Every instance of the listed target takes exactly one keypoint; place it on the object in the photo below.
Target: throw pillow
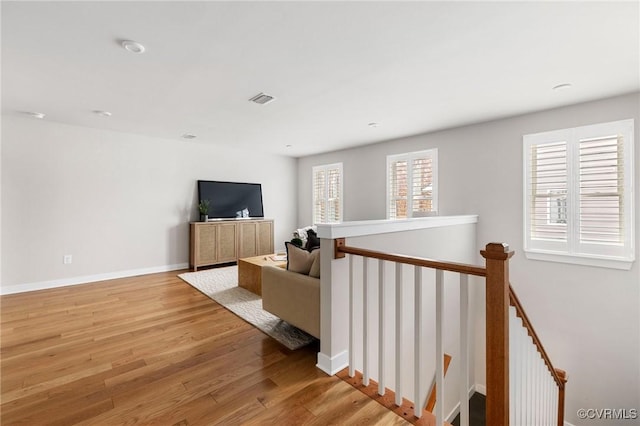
(298, 259)
(313, 242)
(315, 266)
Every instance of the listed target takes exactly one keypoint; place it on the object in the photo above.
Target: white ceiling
(333, 67)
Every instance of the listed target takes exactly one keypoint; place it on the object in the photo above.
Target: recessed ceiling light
(102, 113)
(133, 46)
(562, 86)
(38, 115)
(373, 124)
(288, 145)
(188, 136)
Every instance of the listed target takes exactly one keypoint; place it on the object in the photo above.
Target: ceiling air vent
(262, 98)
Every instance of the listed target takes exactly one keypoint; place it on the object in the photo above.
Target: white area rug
(221, 285)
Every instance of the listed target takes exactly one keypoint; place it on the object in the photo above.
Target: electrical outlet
(67, 259)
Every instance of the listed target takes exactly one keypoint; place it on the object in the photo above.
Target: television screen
(231, 199)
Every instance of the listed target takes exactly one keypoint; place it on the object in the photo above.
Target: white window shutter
(578, 195)
(548, 191)
(411, 184)
(398, 189)
(334, 198)
(601, 190)
(327, 193)
(319, 195)
(422, 186)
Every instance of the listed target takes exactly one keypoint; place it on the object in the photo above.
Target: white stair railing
(536, 388)
(533, 390)
(523, 387)
(363, 287)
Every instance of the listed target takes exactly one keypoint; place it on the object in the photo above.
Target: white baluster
(417, 348)
(398, 333)
(439, 348)
(381, 324)
(464, 350)
(538, 398)
(545, 400)
(528, 353)
(554, 403)
(352, 331)
(533, 353)
(523, 351)
(521, 369)
(365, 321)
(513, 376)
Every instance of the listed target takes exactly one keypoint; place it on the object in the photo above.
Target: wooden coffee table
(250, 271)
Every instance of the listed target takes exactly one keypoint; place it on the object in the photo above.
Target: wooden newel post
(562, 375)
(497, 316)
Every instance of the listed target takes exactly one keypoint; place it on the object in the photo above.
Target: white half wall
(587, 317)
(118, 203)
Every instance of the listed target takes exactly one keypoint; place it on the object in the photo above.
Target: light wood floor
(154, 350)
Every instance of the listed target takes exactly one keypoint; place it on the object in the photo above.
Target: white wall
(588, 318)
(119, 203)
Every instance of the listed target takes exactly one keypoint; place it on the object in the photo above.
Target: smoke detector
(262, 98)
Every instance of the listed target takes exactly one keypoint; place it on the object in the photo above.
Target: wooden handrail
(515, 302)
(341, 249)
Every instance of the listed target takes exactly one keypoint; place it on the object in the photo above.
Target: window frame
(575, 250)
(325, 168)
(409, 157)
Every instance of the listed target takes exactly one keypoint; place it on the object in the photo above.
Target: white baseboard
(456, 410)
(331, 365)
(63, 282)
(480, 389)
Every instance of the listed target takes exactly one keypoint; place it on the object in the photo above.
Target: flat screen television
(231, 199)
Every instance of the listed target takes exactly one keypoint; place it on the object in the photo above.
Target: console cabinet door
(205, 237)
(248, 240)
(265, 237)
(227, 242)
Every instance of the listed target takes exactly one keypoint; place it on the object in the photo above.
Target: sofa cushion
(298, 259)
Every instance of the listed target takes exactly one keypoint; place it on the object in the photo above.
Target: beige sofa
(292, 297)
